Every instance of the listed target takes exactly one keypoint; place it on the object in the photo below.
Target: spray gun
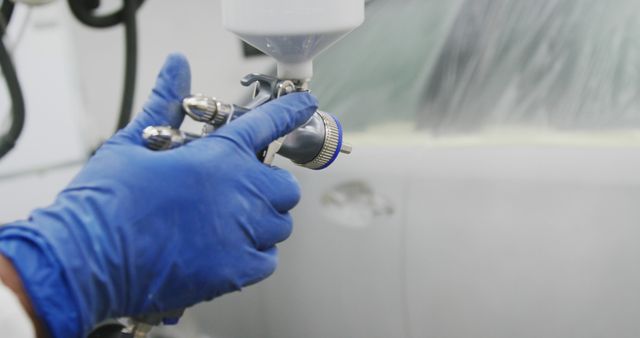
(314, 145)
(293, 32)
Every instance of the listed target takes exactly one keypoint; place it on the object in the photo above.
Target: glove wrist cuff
(43, 278)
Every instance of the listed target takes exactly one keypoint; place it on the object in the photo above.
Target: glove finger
(264, 265)
(164, 106)
(281, 188)
(261, 126)
(277, 230)
(265, 226)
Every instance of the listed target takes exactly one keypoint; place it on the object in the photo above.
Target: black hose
(131, 63)
(7, 11)
(8, 140)
(83, 11)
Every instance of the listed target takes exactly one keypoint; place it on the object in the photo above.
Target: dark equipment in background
(84, 11)
(8, 140)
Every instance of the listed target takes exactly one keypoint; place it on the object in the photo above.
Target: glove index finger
(281, 188)
(164, 106)
(265, 124)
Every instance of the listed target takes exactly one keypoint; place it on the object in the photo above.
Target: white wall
(191, 27)
(72, 80)
(52, 136)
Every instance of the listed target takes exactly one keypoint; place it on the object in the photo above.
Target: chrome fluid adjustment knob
(316, 144)
(200, 108)
(209, 110)
(165, 138)
(205, 109)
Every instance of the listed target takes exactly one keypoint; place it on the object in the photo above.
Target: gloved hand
(139, 231)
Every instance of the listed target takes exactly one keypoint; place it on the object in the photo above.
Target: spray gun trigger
(272, 150)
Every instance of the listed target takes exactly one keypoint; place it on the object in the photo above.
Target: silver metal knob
(164, 138)
(316, 144)
(204, 109)
(209, 110)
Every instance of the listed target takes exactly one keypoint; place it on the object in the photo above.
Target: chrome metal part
(315, 145)
(164, 138)
(208, 110)
(140, 327)
(285, 87)
(332, 140)
(265, 90)
(346, 148)
(200, 108)
(272, 150)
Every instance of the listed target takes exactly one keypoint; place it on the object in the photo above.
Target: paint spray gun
(293, 32)
(315, 145)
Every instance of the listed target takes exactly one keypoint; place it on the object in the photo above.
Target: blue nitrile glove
(139, 231)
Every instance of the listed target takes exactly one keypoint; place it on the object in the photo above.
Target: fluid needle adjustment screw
(206, 109)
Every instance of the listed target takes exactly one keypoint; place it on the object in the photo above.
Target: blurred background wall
(494, 187)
